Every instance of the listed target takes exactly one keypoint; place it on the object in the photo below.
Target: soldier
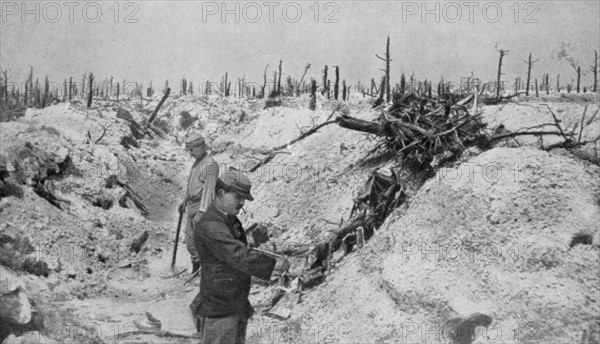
(200, 190)
(221, 308)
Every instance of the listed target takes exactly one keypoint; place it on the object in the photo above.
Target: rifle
(176, 242)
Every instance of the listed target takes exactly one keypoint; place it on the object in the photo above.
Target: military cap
(234, 180)
(194, 140)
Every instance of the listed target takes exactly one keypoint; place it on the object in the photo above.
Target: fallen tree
(424, 133)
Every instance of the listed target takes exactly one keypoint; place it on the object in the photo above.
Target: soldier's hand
(181, 207)
(260, 235)
(281, 265)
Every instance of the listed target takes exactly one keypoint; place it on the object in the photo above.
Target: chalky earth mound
(485, 246)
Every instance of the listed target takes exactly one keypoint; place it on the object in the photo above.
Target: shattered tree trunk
(90, 94)
(578, 77)
(529, 63)
(164, 98)
(502, 54)
(362, 125)
(324, 80)
(302, 80)
(382, 89)
(46, 90)
(336, 86)
(387, 71)
(279, 79)
(594, 69)
(313, 95)
(386, 90)
(262, 92)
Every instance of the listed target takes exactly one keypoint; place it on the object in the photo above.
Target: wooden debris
(158, 333)
(155, 113)
(138, 242)
(130, 199)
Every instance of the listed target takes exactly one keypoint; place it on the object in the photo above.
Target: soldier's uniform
(221, 308)
(200, 192)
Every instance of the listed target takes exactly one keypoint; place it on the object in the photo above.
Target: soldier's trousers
(189, 240)
(229, 330)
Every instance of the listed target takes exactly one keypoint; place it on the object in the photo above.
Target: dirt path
(151, 286)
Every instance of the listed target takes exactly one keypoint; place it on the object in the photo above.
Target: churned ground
(489, 234)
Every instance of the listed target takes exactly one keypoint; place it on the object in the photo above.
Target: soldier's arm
(222, 244)
(210, 174)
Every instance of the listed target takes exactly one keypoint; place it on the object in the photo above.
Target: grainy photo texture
(177, 172)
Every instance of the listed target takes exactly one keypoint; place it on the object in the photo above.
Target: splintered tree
(594, 70)
(336, 86)
(279, 79)
(530, 64)
(150, 90)
(262, 90)
(577, 68)
(313, 95)
(289, 86)
(38, 97)
(324, 80)
(563, 55)
(225, 88)
(65, 92)
(387, 61)
(110, 88)
(46, 90)
(273, 93)
(241, 87)
(160, 103)
(502, 54)
(302, 79)
(382, 90)
(402, 84)
(90, 90)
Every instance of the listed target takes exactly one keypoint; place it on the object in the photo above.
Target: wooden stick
(308, 133)
(163, 333)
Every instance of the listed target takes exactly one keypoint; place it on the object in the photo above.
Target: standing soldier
(200, 190)
(221, 308)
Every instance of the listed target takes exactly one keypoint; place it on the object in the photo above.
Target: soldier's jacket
(201, 185)
(227, 266)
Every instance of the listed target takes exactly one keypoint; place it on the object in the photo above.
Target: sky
(202, 40)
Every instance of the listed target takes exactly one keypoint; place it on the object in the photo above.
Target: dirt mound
(510, 213)
(491, 236)
(82, 243)
(537, 115)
